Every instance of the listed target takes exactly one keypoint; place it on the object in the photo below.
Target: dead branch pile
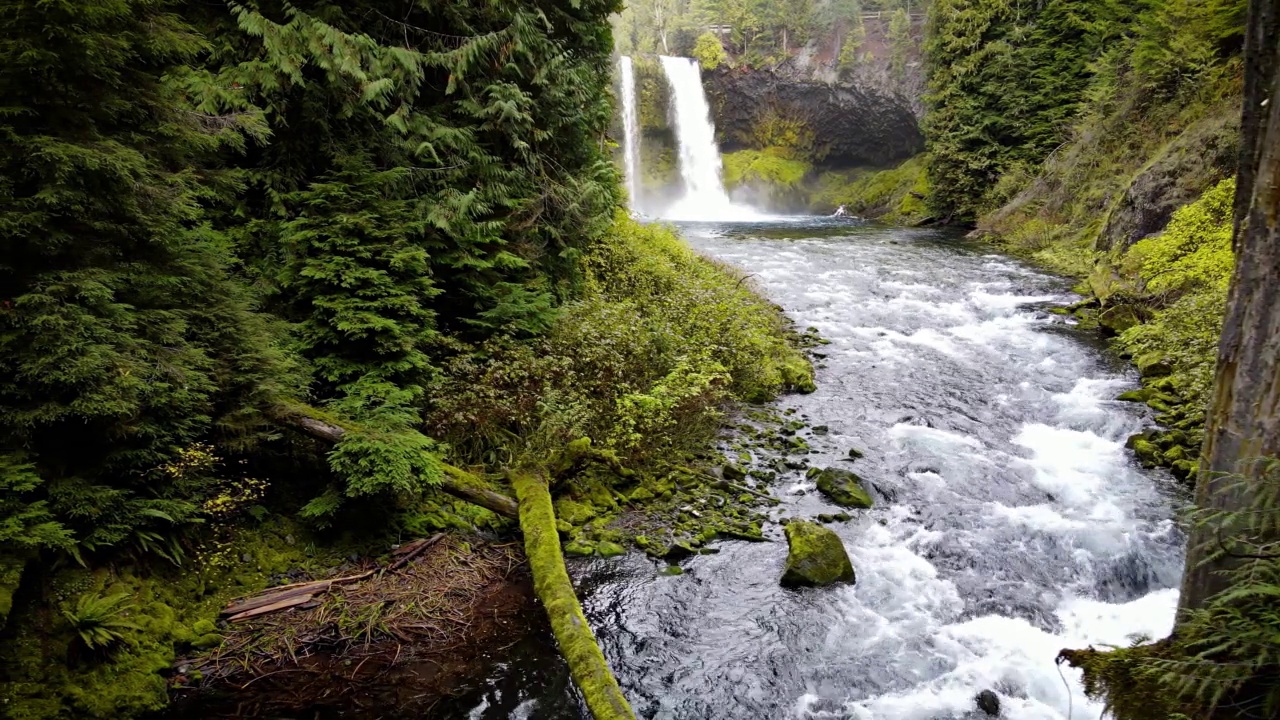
(425, 595)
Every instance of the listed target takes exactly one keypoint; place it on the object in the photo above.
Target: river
(1010, 523)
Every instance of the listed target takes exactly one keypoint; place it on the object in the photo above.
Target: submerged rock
(815, 556)
(843, 488)
(988, 702)
(610, 549)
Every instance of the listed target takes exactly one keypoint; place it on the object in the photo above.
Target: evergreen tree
(122, 332)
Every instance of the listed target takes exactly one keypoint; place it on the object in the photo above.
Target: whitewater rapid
(1010, 521)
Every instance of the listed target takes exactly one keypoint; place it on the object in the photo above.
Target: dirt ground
(394, 645)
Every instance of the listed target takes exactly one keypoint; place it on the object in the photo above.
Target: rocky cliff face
(841, 125)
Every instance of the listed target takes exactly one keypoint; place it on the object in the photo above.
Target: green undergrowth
(159, 612)
(894, 195)
(643, 367)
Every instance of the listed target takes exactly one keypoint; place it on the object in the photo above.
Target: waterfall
(631, 129)
(704, 196)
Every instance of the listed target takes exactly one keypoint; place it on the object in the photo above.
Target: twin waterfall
(703, 196)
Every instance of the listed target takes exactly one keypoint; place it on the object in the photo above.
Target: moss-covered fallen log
(552, 585)
(457, 482)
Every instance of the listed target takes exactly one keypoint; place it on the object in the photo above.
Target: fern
(99, 620)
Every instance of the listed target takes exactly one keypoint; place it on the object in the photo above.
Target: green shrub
(709, 52)
(643, 361)
(98, 619)
(1189, 267)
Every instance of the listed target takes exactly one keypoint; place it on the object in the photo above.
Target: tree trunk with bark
(1243, 420)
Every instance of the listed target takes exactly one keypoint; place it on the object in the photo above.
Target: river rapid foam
(1010, 521)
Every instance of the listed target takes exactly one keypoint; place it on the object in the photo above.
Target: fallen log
(551, 584)
(412, 550)
(457, 482)
(273, 607)
(281, 592)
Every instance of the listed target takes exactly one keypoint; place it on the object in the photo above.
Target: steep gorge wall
(828, 124)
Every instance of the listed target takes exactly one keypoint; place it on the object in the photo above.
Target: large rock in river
(815, 556)
(843, 488)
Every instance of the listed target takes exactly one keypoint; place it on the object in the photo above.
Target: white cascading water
(631, 131)
(704, 196)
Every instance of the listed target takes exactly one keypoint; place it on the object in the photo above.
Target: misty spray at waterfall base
(701, 169)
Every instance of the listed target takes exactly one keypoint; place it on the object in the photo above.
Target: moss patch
(843, 488)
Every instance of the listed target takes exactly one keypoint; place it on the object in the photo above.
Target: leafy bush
(1189, 264)
(644, 360)
(709, 52)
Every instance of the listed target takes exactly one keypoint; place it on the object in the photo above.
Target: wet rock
(1185, 469)
(815, 556)
(988, 702)
(610, 549)
(733, 472)
(1139, 395)
(579, 548)
(1115, 320)
(1180, 172)
(1152, 364)
(852, 124)
(574, 512)
(1147, 452)
(671, 570)
(843, 488)
(854, 453)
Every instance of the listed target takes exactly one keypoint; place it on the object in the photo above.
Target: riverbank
(620, 399)
(1008, 520)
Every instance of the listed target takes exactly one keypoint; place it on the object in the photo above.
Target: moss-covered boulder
(1153, 364)
(815, 556)
(843, 488)
(1115, 320)
(1145, 448)
(610, 549)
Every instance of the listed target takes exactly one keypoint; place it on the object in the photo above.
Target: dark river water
(1011, 521)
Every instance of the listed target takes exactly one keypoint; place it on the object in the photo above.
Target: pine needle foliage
(213, 210)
